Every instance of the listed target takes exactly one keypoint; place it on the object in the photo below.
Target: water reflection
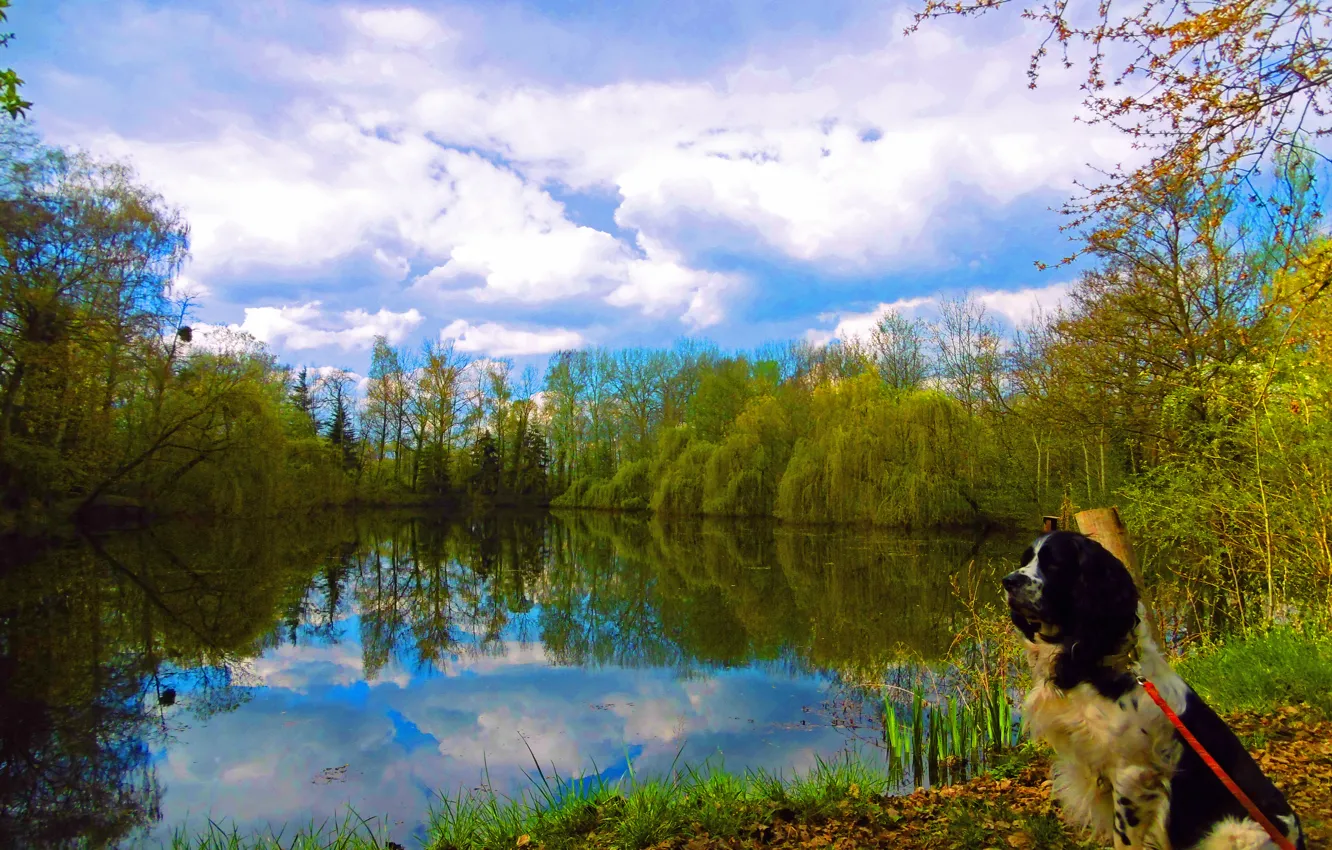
(267, 673)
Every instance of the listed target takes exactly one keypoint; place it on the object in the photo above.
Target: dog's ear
(1105, 610)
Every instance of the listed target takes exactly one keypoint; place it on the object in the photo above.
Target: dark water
(262, 674)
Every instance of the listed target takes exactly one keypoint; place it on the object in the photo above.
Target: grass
(708, 806)
(642, 812)
(1284, 666)
(353, 832)
(919, 736)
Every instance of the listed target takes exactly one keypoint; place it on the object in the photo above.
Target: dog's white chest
(1099, 732)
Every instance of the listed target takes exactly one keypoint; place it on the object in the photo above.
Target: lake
(266, 673)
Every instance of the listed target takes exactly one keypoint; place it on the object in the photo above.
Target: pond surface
(262, 674)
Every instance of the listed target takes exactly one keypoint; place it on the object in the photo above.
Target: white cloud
(395, 266)
(309, 326)
(844, 162)
(839, 160)
(859, 325)
(514, 239)
(1014, 306)
(185, 286)
(500, 341)
(405, 26)
(1023, 304)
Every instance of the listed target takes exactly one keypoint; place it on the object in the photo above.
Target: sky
(524, 177)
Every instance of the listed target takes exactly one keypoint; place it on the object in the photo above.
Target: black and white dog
(1121, 768)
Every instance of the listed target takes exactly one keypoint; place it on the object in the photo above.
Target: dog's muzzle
(1024, 592)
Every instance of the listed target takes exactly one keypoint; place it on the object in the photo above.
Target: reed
(939, 739)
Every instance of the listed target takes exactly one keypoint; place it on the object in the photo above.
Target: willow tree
(86, 256)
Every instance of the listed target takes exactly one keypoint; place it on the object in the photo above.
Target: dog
(1121, 769)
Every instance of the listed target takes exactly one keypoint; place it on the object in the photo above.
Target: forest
(1187, 378)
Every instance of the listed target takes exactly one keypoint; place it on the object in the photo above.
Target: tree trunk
(1105, 526)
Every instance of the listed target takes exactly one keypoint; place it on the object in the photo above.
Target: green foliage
(636, 813)
(723, 389)
(351, 833)
(873, 456)
(1259, 672)
(680, 472)
(629, 490)
(105, 394)
(744, 472)
(10, 101)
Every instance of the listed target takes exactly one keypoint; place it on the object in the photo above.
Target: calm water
(263, 674)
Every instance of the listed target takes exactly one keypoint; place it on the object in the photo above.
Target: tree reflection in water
(110, 646)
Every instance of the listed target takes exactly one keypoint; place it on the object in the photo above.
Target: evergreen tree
(485, 483)
(302, 395)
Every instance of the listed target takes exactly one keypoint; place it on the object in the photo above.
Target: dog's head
(1070, 590)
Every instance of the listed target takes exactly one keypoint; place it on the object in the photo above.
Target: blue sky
(528, 176)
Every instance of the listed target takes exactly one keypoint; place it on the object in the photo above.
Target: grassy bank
(1274, 689)
(839, 804)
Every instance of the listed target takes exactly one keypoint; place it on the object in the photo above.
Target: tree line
(1187, 376)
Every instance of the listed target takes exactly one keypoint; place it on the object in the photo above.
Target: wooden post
(1051, 523)
(1105, 526)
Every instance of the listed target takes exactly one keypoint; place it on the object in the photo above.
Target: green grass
(351, 833)
(1284, 666)
(638, 813)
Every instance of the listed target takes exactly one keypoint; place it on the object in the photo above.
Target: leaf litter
(1010, 808)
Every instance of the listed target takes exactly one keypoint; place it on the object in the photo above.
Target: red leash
(1277, 835)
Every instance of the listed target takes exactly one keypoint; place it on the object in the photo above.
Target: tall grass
(1284, 666)
(353, 832)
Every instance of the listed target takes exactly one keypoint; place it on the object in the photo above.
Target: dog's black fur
(1077, 606)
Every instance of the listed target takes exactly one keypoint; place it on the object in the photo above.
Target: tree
(86, 256)
(434, 405)
(487, 473)
(1143, 349)
(303, 397)
(897, 345)
(636, 383)
(9, 81)
(967, 351)
(336, 391)
(1211, 89)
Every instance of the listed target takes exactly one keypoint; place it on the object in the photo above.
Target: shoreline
(839, 804)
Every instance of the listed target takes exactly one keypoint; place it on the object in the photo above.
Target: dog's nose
(1015, 581)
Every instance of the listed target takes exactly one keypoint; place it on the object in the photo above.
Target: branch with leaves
(1210, 89)
(10, 101)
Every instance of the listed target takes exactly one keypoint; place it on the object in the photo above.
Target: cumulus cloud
(308, 325)
(298, 668)
(1015, 307)
(501, 341)
(1023, 304)
(413, 155)
(404, 26)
